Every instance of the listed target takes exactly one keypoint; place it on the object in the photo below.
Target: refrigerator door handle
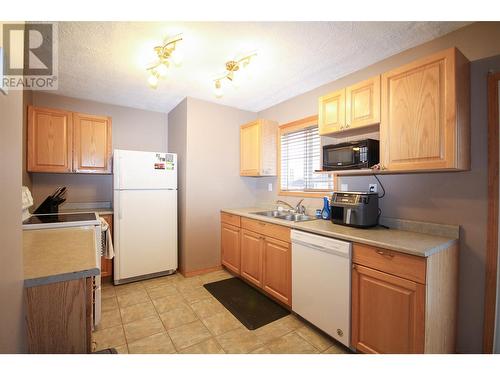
(119, 206)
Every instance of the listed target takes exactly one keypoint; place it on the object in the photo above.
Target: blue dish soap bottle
(325, 213)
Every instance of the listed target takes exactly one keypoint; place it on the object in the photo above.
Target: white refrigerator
(145, 220)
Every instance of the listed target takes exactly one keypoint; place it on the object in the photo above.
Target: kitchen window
(299, 157)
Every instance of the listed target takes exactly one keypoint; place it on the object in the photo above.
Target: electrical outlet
(344, 187)
(373, 188)
(270, 186)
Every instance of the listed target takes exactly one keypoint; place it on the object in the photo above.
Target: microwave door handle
(348, 216)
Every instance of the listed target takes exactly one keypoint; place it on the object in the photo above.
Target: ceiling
(105, 61)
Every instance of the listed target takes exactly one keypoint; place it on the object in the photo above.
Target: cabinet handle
(261, 223)
(383, 253)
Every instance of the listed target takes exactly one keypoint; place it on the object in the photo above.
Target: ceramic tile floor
(173, 314)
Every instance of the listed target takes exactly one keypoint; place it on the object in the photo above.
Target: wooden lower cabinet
(260, 253)
(387, 312)
(59, 317)
(107, 264)
(252, 246)
(403, 303)
(277, 263)
(230, 247)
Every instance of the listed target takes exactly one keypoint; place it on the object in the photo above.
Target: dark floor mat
(252, 308)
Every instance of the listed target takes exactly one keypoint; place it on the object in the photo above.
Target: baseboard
(200, 272)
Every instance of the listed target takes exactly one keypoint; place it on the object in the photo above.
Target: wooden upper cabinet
(331, 116)
(91, 144)
(352, 107)
(425, 117)
(363, 103)
(277, 274)
(252, 245)
(65, 142)
(49, 138)
(388, 313)
(258, 148)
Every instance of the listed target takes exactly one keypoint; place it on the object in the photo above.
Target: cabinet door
(420, 124)
(107, 264)
(250, 149)
(277, 262)
(331, 112)
(363, 103)
(387, 313)
(251, 256)
(230, 247)
(92, 144)
(49, 140)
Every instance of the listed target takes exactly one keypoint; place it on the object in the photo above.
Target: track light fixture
(168, 54)
(235, 71)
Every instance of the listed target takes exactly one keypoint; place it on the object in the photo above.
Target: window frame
(289, 128)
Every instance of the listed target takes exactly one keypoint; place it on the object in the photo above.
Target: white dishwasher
(321, 283)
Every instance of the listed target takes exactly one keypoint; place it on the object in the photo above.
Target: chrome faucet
(285, 203)
(299, 208)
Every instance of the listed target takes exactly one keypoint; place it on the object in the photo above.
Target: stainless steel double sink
(289, 216)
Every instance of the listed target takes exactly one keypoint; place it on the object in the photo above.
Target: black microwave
(351, 155)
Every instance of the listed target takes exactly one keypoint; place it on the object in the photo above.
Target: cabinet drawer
(393, 262)
(267, 229)
(230, 219)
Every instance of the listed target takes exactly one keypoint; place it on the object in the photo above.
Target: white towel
(107, 251)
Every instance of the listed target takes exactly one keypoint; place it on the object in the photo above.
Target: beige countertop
(54, 255)
(405, 241)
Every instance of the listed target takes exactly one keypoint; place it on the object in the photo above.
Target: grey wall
(450, 198)
(27, 100)
(12, 333)
(133, 129)
(209, 179)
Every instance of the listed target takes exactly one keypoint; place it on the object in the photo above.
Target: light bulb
(243, 72)
(153, 81)
(236, 80)
(162, 70)
(176, 57)
(218, 89)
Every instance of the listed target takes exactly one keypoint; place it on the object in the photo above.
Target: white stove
(60, 220)
(83, 220)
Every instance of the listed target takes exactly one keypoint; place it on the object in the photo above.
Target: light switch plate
(344, 187)
(270, 186)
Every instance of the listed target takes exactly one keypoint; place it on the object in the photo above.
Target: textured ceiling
(105, 61)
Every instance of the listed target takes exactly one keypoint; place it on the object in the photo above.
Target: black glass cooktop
(59, 218)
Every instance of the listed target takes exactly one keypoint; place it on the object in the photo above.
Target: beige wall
(209, 177)
(133, 129)
(451, 198)
(12, 333)
(177, 143)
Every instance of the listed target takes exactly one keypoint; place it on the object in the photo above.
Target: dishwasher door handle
(344, 254)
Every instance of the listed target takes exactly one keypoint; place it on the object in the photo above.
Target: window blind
(300, 157)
